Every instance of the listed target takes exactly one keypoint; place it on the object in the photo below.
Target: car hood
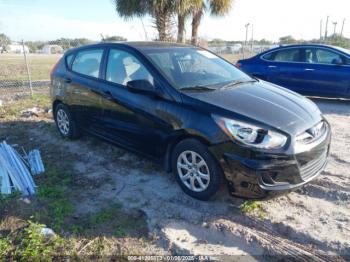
(266, 103)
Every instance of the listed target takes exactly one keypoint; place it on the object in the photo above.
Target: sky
(46, 20)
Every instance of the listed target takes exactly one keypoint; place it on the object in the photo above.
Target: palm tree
(184, 8)
(160, 10)
(215, 7)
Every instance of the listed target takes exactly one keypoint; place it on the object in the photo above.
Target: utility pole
(342, 28)
(321, 22)
(326, 31)
(252, 39)
(335, 27)
(246, 36)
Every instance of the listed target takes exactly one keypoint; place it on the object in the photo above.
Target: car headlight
(251, 135)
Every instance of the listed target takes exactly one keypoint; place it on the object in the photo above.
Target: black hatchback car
(194, 112)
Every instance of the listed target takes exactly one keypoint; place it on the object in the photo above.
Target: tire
(65, 123)
(188, 174)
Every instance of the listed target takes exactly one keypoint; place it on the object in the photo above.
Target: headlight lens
(250, 134)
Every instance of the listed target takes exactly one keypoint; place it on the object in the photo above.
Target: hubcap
(193, 171)
(62, 121)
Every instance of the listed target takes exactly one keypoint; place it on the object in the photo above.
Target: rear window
(88, 62)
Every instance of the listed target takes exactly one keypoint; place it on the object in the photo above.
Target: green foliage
(5, 247)
(105, 215)
(55, 193)
(251, 207)
(287, 40)
(31, 245)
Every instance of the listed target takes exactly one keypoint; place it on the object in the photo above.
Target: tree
(115, 38)
(4, 42)
(215, 7)
(184, 8)
(160, 10)
(287, 40)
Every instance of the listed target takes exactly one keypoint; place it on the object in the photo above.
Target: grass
(13, 110)
(60, 190)
(252, 207)
(13, 68)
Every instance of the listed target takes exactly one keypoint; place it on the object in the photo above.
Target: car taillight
(238, 65)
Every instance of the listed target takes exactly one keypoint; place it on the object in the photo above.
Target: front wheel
(196, 170)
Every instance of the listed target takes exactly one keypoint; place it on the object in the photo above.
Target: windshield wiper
(235, 83)
(196, 88)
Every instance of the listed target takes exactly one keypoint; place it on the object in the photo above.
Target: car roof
(139, 45)
(298, 45)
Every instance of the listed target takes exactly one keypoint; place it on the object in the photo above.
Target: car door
(326, 72)
(130, 118)
(283, 67)
(83, 87)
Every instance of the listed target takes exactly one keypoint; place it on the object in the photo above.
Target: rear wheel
(195, 169)
(66, 125)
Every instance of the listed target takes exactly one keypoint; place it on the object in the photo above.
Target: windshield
(187, 67)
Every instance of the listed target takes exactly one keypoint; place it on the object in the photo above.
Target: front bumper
(261, 175)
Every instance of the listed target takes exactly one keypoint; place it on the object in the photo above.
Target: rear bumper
(254, 175)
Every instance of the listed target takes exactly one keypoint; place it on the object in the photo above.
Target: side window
(69, 60)
(288, 55)
(88, 62)
(310, 56)
(270, 56)
(327, 56)
(123, 67)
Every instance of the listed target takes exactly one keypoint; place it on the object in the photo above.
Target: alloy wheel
(62, 122)
(193, 171)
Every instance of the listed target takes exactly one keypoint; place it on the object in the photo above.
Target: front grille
(313, 167)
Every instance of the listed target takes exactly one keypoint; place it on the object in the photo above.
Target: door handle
(67, 80)
(272, 66)
(309, 69)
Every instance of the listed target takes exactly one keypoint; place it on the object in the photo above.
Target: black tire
(73, 130)
(215, 172)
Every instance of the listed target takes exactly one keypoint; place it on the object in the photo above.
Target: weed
(5, 247)
(119, 232)
(32, 245)
(251, 206)
(105, 215)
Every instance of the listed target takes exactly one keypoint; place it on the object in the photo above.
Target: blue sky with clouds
(45, 20)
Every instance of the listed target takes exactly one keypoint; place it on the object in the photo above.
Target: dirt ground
(313, 222)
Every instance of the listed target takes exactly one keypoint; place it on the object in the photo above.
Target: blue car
(313, 70)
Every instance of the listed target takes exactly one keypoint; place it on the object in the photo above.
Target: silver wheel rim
(62, 121)
(193, 171)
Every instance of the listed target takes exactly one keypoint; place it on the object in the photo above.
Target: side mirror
(141, 86)
(337, 61)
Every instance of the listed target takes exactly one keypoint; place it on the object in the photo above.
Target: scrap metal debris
(16, 171)
(30, 112)
(35, 162)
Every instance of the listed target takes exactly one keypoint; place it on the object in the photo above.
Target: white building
(52, 49)
(17, 48)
